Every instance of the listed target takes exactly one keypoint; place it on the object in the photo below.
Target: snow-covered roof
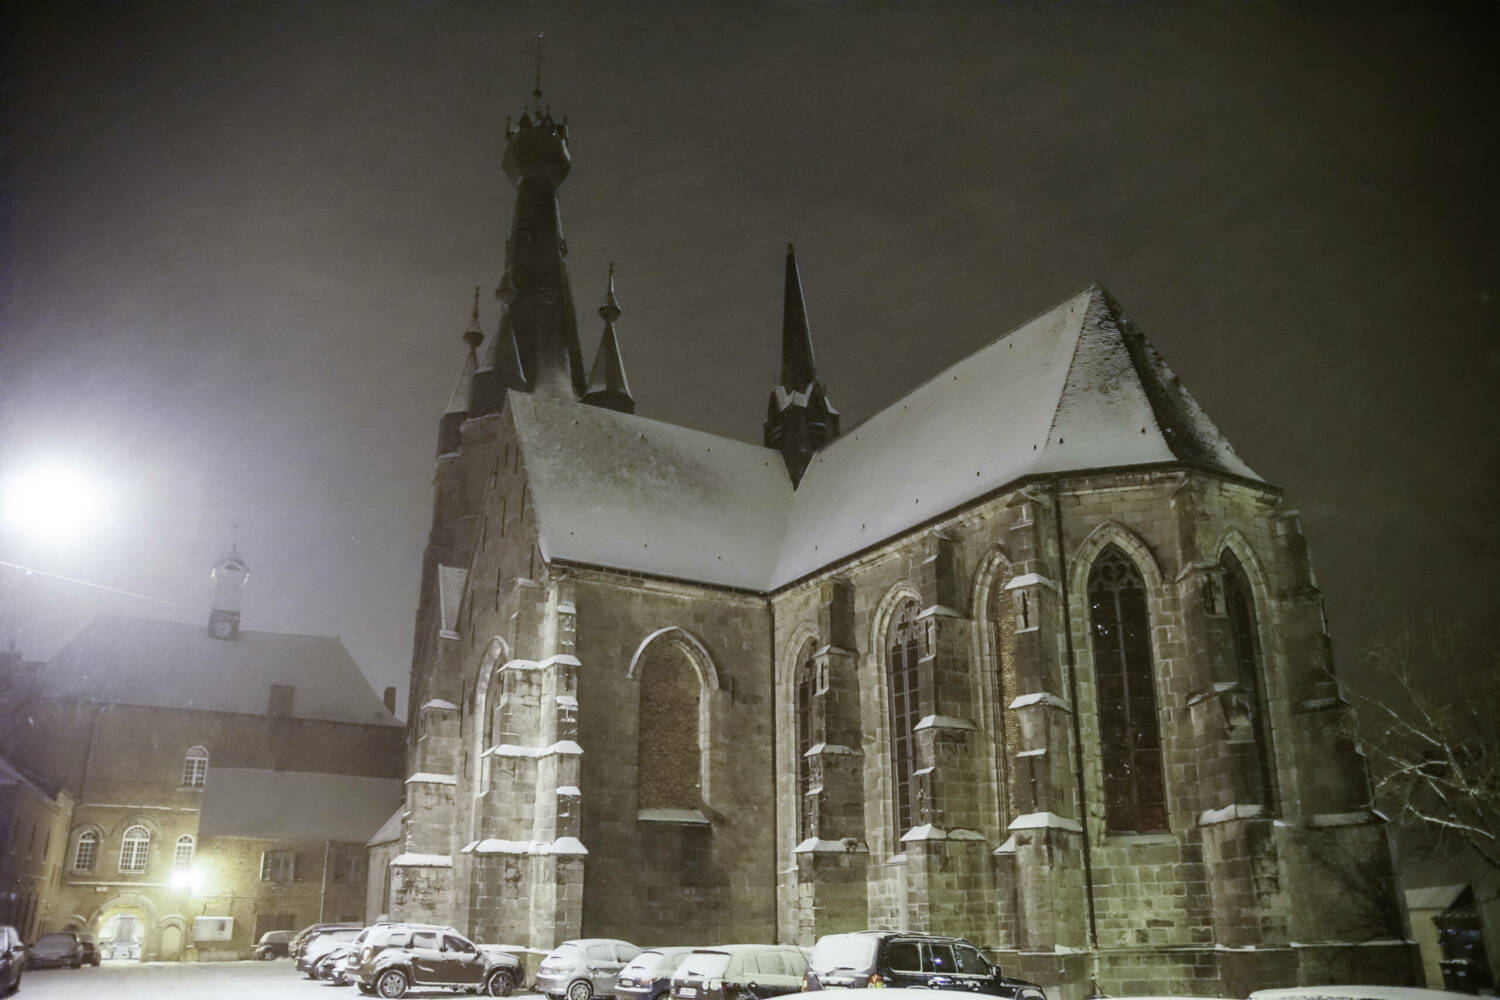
(390, 830)
(296, 805)
(143, 661)
(1074, 389)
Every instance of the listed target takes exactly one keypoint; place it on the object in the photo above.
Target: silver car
(584, 968)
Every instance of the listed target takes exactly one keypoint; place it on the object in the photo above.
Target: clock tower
(229, 575)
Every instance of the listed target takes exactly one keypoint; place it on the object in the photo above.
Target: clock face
(222, 628)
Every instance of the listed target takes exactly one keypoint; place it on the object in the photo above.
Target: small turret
(800, 419)
(607, 384)
(459, 400)
(230, 574)
(499, 371)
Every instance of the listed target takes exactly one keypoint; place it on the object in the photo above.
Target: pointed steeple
(607, 385)
(535, 285)
(499, 370)
(797, 367)
(230, 574)
(799, 417)
(459, 400)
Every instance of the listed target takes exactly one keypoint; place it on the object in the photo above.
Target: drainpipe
(323, 889)
(1088, 861)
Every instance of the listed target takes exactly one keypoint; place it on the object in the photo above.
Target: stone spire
(499, 370)
(799, 417)
(459, 401)
(607, 384)
(535, 287)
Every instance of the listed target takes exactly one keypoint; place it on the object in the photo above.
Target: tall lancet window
(1129, 734)
(195, 768)
(1240, 606)
(670, 760)
(807, 671)
(1007, 615)
(901, 665)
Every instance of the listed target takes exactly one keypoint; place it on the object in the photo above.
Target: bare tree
(1429, 723)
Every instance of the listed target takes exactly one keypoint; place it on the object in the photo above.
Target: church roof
(143, 661)
(295, 805)
(1077, 388)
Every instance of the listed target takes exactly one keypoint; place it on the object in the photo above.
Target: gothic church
(1030, 656)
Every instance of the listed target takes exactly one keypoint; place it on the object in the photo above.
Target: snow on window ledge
(849, 845)
(1210, 817)
(422, 861)
(1040, 698)
(944, 722)
(427, 778)
(689, 816)
(1044, 821)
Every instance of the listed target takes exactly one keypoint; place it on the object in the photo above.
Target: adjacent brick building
(1030, 656)
(223, 781)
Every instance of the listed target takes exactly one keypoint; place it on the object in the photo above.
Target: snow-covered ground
(276, 980)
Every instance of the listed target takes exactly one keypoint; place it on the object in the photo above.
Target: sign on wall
(213, 928)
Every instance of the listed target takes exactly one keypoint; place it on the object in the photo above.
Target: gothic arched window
(901, 666)
(670, 759)
(1006, 616)
(807, 673)
(1240, 606)
(195, 768)
(1129, 734)
(135, 848)
(86, 851)
(182, 857)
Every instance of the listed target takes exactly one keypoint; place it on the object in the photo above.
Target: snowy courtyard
(185, 981)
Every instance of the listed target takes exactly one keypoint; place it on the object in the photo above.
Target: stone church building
(1031, 656)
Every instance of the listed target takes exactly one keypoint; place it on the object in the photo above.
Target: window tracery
(907, 638)
(135, 849)
(1239, 605)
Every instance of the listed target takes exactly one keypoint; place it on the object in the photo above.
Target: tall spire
(607, 385)
(799, 417)
(535, 286)
(499, 370)
(797, 367)
(459, 400)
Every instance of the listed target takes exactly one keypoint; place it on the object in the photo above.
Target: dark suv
(898, 958)
(398, 957)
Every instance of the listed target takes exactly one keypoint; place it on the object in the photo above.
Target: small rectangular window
(905, 956)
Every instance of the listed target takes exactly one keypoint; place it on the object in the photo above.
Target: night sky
(241, 242)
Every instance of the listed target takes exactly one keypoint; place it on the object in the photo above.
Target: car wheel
(267, 955)
(391, 984)
(500, 984)
(580, 990)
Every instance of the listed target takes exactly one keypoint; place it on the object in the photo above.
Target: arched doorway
(171, 943)
(126, 930)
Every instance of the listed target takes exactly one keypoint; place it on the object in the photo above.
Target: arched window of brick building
(182, 857)
(1129, 734)
(135, 849)
(86, 851)
(807, 679)
(670, 759)
(902, 653)
(195, 768)
(1239, 604)
(1005, 615)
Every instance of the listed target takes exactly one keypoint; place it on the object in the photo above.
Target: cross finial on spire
(473, 335)
(537, 93)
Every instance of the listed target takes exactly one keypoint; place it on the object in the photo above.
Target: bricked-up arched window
(807, 679)
(86, 851)
(670, 760)
(1006, 616)
(182, 857)
(902, 654)
(135, 849)
(1240, 606)
(195, 767)
(1129, 735)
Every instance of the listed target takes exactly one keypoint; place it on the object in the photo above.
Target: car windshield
(708, 964)
(843, 951)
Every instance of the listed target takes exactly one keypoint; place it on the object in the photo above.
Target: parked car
(740, 972)
(273, 944)
(12, 958)
(399, 957)
(56, 950)
(648, 976)
(321, 944)
(306, 934)
(898, 958)
(584, 968)
(330, 968)
(90, 950)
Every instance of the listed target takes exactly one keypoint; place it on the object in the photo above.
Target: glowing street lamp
(52, 503)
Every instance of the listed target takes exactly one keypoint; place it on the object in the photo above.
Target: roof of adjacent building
(390, 830)
(144, 661)
(296, 805)
(1077, 388)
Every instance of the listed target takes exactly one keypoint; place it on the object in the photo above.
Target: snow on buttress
(1076, 388)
